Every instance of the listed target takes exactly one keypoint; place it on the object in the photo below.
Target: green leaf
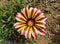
(3, 21)
(9, 19)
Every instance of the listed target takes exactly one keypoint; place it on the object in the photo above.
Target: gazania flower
(31, 22)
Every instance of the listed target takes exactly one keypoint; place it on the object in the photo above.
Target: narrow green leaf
(9, 19)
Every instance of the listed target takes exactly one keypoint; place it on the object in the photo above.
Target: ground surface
(51, 8)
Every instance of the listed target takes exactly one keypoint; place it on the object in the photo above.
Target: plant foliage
(7, 18)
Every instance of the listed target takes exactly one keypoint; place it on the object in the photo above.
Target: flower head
(31, 22)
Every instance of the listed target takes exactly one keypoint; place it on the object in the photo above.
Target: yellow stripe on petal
(20, 15)
(19, 18)
(20, 25)
(43, 18)
(29, 12)
(24, 12)
(21, 28)
(36, 29)
(17, 23)
(41, 26)
(38, 11)
(40, 16)
(41, 21)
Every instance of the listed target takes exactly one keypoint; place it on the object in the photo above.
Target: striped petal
(41, 26)
(41, 23)
(34, 31)
(38, 16)
(38, 12)
(18, 25)
(23, 31)
(34, 12)
(29, 32)
(42, 32)
(25, 12)
(43, 18)
(26, 32)
(20, 29)
(20, 18)
(31, 12)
